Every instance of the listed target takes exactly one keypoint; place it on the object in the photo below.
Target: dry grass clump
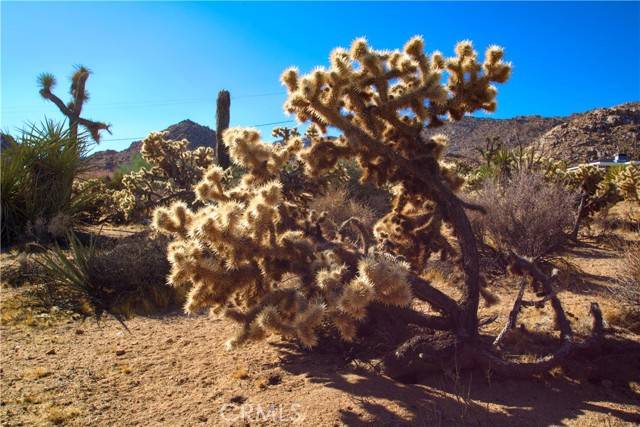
(338, 207)
(628, 315)
(58, 416)
(35, 373)
(134, 273)
(525, 214)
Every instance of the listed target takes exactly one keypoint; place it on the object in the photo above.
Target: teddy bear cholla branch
(262, 260)
(380, 108)
(174, 170)
(380, 102)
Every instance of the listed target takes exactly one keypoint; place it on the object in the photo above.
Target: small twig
(362, 231)
(513, 315)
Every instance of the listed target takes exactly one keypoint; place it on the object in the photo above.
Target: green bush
(36, 181)
(135, 164)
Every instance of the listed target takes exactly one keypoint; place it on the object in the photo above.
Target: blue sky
(155, 64)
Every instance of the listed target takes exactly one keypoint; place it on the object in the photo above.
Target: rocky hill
(596, 134)
(577, 138)
(105, 162)
(470, 133)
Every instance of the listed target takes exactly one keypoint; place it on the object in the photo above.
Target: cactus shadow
(599, 386)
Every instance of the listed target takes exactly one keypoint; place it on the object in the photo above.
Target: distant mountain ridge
(576, 138)
(107, 161)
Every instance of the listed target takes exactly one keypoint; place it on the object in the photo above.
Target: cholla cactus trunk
(223, 106)
(263, 259)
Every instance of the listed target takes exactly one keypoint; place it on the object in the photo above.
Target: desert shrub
(36, 181)
(21, 269)
(338, 207)
(630, 275)
(627, 290)
(134, 165)
(526, 214)
(501, 164)
(128, 278)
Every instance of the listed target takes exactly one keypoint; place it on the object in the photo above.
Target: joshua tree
(223, 105)
(73, 109)
(262, 258)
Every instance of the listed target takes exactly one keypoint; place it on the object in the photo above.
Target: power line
(127, 105)
(135, 138)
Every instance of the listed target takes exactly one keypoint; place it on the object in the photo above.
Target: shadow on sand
(600, 385)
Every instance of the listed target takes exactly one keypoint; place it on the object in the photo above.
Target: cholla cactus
(285, 133)
(266, 256)
(97, 199)
(263, 260)
(175, 169)
(628, 183)
(603, 188)
(261, 257)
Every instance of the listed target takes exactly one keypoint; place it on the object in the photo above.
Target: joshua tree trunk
(223, 105)
(73, 128)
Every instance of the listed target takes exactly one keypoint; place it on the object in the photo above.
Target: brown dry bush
(124, 279)
(339, 206)
(628, 315)
(525, 214)
(20, 269)
(135, 272)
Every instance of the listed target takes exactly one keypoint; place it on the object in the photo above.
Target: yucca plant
(72, 272)
(37, 176)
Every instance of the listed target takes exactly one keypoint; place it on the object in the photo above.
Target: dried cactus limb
(425, 352)
(513, 315)
(365, 235)
(568, 345)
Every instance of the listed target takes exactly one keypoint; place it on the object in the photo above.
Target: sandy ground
(174, 371)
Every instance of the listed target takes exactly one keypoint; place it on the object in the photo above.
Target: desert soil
(174, 370)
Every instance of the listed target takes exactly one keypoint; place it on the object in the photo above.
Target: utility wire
(135, 138)
(17, 109)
